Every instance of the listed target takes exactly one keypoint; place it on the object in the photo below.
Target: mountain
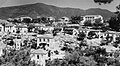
(40, 9)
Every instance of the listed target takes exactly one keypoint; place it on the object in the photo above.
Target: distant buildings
(48, 40)
(91, 18)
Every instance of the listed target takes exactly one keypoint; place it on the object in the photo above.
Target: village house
(1, 28)
(73, 27)
(10, 28)
(70, 31)
(46, 39)
(39, 56)
(21, 29)
(57, 29)
(111, 34)
(97, 33)
(61, 22)
(18, 43)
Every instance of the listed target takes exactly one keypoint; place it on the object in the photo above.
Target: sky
(82, 4)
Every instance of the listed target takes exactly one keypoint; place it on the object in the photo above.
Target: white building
(91, 18)
(18, 44)
(22, 28)
(10, 28)
(45, 39)
(39, 56)
(112, 34)
(38, 25)
(1, 28)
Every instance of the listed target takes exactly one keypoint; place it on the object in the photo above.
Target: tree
(98, 22)
(43, 19)
(73, 59)
(114, 23)
(77, 60)
(87, 23)
(34, 43)
(81, 36)
(26, 20)
(76, 19)
(17, 58)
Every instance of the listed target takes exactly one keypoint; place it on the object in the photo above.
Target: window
(48, 40)
(17, 44)
(43, 39)
(13, 30)
(40, 40)
(37, 56)
(0, 28)
(24, 31)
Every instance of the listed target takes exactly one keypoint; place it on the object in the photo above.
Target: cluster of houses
(46, 41)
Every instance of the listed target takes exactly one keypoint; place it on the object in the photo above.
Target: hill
(40, 9)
